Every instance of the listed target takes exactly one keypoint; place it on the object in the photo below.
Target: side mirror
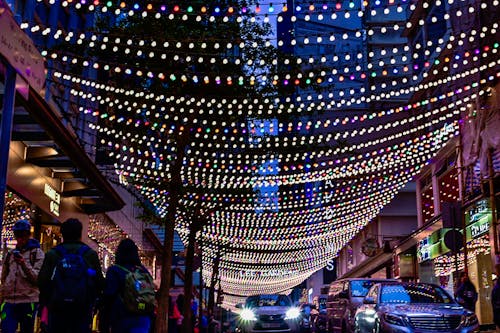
(239, 306)
(343, 294)
(369, 300)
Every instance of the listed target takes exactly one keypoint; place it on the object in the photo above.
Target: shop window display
(15, 209)
(107, 235)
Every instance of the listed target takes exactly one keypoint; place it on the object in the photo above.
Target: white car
(268, 314)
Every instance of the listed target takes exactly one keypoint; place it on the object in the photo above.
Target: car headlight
(247, 314)
(394, 319)
(469, 319)
(292, 313)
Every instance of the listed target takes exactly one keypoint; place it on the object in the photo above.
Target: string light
(275, 183)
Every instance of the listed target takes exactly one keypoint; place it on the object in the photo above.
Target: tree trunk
(188, 283)
(213, 281)
(161, 324)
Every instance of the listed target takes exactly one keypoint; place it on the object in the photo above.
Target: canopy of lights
(288, 178)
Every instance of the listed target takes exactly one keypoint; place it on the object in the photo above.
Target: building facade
(54, 171)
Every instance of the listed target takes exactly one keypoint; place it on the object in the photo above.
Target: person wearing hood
(19, 287)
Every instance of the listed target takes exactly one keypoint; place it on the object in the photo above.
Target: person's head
(127, 253)
(71, 230)
(464, 276)
(22, 232)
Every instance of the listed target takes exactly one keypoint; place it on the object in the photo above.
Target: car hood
(424, 309)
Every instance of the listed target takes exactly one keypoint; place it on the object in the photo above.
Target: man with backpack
(70, 282)
(19, 281)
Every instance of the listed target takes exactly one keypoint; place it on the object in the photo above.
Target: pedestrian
(466, 294)
(174, 316)
(129, 299)
(70, 281)
(179, 301)
(19, 288)
(204, 322)
(495, 299)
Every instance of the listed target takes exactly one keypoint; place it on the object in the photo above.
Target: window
(414, 293)
(359, 288)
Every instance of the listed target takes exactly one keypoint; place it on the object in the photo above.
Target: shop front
(45, 174)
(441, 256)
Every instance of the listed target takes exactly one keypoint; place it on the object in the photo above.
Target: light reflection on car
(268, 313)
(398, 307)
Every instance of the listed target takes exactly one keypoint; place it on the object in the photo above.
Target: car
(412, 307)
(344, 297)
(271, 313)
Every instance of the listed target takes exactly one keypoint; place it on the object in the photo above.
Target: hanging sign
(19, 50)
(55, 199)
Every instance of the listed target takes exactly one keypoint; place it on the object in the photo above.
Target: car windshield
(414, 293)
(359, 288)
(267, 300)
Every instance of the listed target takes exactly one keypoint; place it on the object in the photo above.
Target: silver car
(411, 308)
(268, 313)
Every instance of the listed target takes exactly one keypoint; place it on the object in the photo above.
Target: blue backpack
(73, 281)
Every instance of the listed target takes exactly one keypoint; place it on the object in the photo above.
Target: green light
(109, 4)
(308, 81)
(374, 74)
(190, 9)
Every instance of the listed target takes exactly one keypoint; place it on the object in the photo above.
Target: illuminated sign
(330, 266)
(55, 199)
(272, 272)
(479, 228)
(478, 219)
(477, 211)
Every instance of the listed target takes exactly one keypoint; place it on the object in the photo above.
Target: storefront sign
(478, 218)
(432, 246)
(55, 199)
(477, 211)
(424, 250)
(476, 229)
(19, 50)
